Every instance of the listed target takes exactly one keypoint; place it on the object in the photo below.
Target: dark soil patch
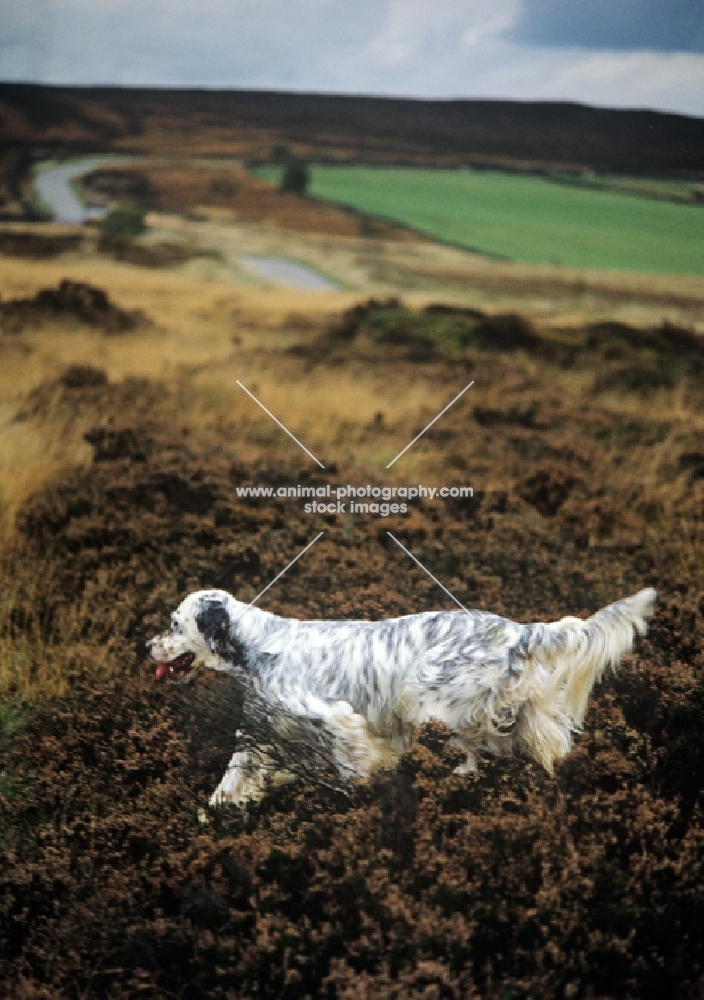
(616, 340)
(38, 246)
(546, 490)
(693, 463)
(73, 300)
(641, 378)
(143, 254)
(83, 376)
(519, 416)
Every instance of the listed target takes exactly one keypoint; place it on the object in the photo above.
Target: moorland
(124, 439)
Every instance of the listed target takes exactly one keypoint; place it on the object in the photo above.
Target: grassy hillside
(526, 218)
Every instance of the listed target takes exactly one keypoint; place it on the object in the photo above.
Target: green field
(525, 218)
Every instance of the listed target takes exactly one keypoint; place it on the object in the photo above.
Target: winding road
(54, 185)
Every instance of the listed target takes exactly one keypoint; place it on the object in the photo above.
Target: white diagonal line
(434, 579)
(302, 552)
(280, 424)
(430, 424)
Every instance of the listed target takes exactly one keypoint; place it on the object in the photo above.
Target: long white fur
(500, 686)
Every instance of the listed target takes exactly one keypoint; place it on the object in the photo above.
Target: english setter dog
(501, 687)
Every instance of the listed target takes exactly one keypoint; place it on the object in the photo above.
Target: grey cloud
(189, 42)
(628, 25)
(26, 34)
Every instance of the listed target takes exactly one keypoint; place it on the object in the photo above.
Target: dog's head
(201, 634)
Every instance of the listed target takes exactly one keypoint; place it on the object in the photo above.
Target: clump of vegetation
(436, 329)
(295, 178)
(126, 220)
(71, 300)
(626, 359)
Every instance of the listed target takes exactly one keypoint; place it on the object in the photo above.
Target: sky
(613, 53)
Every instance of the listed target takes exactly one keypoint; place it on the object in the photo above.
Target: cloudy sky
(619, 53)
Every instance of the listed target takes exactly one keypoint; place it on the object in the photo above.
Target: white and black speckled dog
(501, 687)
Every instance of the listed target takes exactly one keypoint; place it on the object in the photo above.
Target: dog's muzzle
(174, 670)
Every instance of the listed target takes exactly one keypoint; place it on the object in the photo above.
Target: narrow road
(54, 187)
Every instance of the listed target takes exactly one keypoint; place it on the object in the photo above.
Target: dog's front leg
(242, 782)
(247, 777)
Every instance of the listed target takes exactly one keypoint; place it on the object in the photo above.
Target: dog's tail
(569, 657)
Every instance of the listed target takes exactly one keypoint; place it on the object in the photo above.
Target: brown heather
(589, 480)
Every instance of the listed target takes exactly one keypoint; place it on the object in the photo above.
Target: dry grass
(357, 411)
(207, 335)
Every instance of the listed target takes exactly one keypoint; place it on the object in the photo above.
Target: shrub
(295, 178)
(124, 220)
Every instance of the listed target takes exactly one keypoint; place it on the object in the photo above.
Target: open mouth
(176, 669)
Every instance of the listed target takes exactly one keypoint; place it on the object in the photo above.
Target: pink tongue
(161, 670)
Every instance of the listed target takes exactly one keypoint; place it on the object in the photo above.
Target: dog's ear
(213, 622)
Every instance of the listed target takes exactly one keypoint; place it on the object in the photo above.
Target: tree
(295, 178)
(124, 220)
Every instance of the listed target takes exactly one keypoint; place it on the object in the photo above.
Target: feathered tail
(568, 657)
